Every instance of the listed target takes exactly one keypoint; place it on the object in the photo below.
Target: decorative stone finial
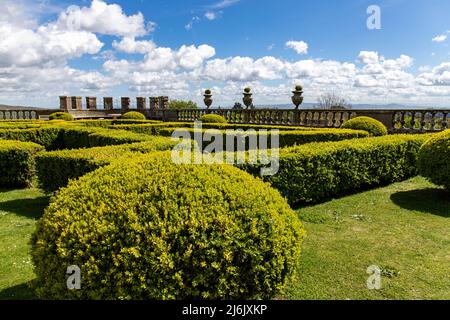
(248, 100)
(297, 98)
(208, 98)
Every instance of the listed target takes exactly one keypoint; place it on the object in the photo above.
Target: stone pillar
(76, 103)
(163, 102)
(65, 103)
(141, 103)
(91, 103)
(154, 103)
(108, 103)
(125, 103)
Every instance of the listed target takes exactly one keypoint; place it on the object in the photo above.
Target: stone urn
(248, 100)
(208, 98)
(297, 98)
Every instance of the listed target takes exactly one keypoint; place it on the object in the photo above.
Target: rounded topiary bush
(151, 229)
(434, 159)
(133, 115)
(212, 118)
(374, 127)
(61, 116)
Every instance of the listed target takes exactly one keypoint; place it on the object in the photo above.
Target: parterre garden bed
(142, 227)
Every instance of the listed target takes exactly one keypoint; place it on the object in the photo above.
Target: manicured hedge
(57, 137)
(319, 171)
(17, 164)
(61, 116)
(286, 138)
(371, 125)
(212, 118)
(133, 115)
(150, 229)
(155, 128)
(47, 136)
(56, 168)
(434, 159)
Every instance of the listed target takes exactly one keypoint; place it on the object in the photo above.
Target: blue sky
(178, 48)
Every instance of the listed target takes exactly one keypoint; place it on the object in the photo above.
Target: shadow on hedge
(31, 207)
(21, 291)
(433, 201)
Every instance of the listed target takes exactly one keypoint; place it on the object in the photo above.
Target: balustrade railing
(396, 120)
(18, 114)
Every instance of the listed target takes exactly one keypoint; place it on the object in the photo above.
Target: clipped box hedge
(56, 168)
(286, 138)
(17, 163)
(319, 171)
(149, 229)
(57, 137)
(155, 128)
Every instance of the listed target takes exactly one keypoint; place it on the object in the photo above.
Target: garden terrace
(118, 201)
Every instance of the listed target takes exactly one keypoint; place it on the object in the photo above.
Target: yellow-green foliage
(212, 118)
(318, 171)
(61, 116)
(286, 138)
(434, 159)
(61, 136)
(56, 168)
(150, 229)
(374, 127)
(154, 128)
(134, 115)
(17, 163)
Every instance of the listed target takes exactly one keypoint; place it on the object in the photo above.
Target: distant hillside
(7, 107)
(392, 106)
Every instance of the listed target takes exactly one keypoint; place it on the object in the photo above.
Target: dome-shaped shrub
(212, 118)
(374, 127)
(133, 115)
(434, 159)
(61, 116)
(151, 229)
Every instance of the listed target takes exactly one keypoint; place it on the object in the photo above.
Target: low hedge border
(319, 171)
(71, 137)
(17, 165)
(286, 138)
(155, 128)
(56, 168)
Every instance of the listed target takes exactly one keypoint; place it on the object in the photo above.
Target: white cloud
(211, 15)
(300, 47)
(368, 57)
(438, 76)
(100, 17)
(48, 44)
(190, 57)
(439, 38)
(224, 4)
(130, 45)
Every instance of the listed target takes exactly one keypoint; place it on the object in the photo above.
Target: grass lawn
(403, 228)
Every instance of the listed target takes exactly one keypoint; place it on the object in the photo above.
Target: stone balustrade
(397, 121)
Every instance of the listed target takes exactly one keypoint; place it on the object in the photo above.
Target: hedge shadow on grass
(21, 291)
(430, 200)
(31, 207)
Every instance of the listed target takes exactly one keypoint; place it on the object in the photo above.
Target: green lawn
(403, 228)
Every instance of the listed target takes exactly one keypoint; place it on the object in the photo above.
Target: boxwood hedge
(150, 229)
(57, 137)
(318, 171)
(17, 164)
(56, 168)
(286, 138)
(434, 159)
